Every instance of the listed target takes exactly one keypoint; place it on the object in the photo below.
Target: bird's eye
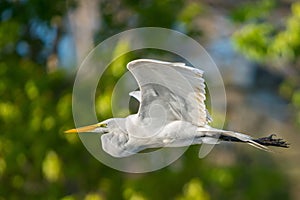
(102, 125)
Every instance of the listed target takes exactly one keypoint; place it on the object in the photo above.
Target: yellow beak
(82, 129)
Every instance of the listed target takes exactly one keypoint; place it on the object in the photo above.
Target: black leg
(270, 141)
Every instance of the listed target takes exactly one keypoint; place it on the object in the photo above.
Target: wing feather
(179, 89)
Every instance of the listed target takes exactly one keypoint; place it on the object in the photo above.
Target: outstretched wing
(173, 91)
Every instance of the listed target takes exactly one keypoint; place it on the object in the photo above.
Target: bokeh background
(256, 45)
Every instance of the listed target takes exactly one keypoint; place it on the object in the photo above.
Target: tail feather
(231, 136)
(260, 143)
(259, 146)
(239, 137)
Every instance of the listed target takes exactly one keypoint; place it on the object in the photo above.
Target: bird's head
(114, 135)
(101, 127)
(106, 126)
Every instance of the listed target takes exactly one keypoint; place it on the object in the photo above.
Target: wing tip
(133, 63)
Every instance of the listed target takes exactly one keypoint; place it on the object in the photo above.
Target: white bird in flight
(172, 113)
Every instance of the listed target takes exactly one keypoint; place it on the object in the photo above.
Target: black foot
(270, 141)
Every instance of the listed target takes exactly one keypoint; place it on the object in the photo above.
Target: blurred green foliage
(38, 161)
(264, 41)
(275, 45)
(252, 10)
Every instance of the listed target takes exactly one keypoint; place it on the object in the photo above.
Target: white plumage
(172, 113)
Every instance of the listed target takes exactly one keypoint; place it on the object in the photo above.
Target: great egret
(172, 113)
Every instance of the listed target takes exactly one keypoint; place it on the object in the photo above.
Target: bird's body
(172, 113)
